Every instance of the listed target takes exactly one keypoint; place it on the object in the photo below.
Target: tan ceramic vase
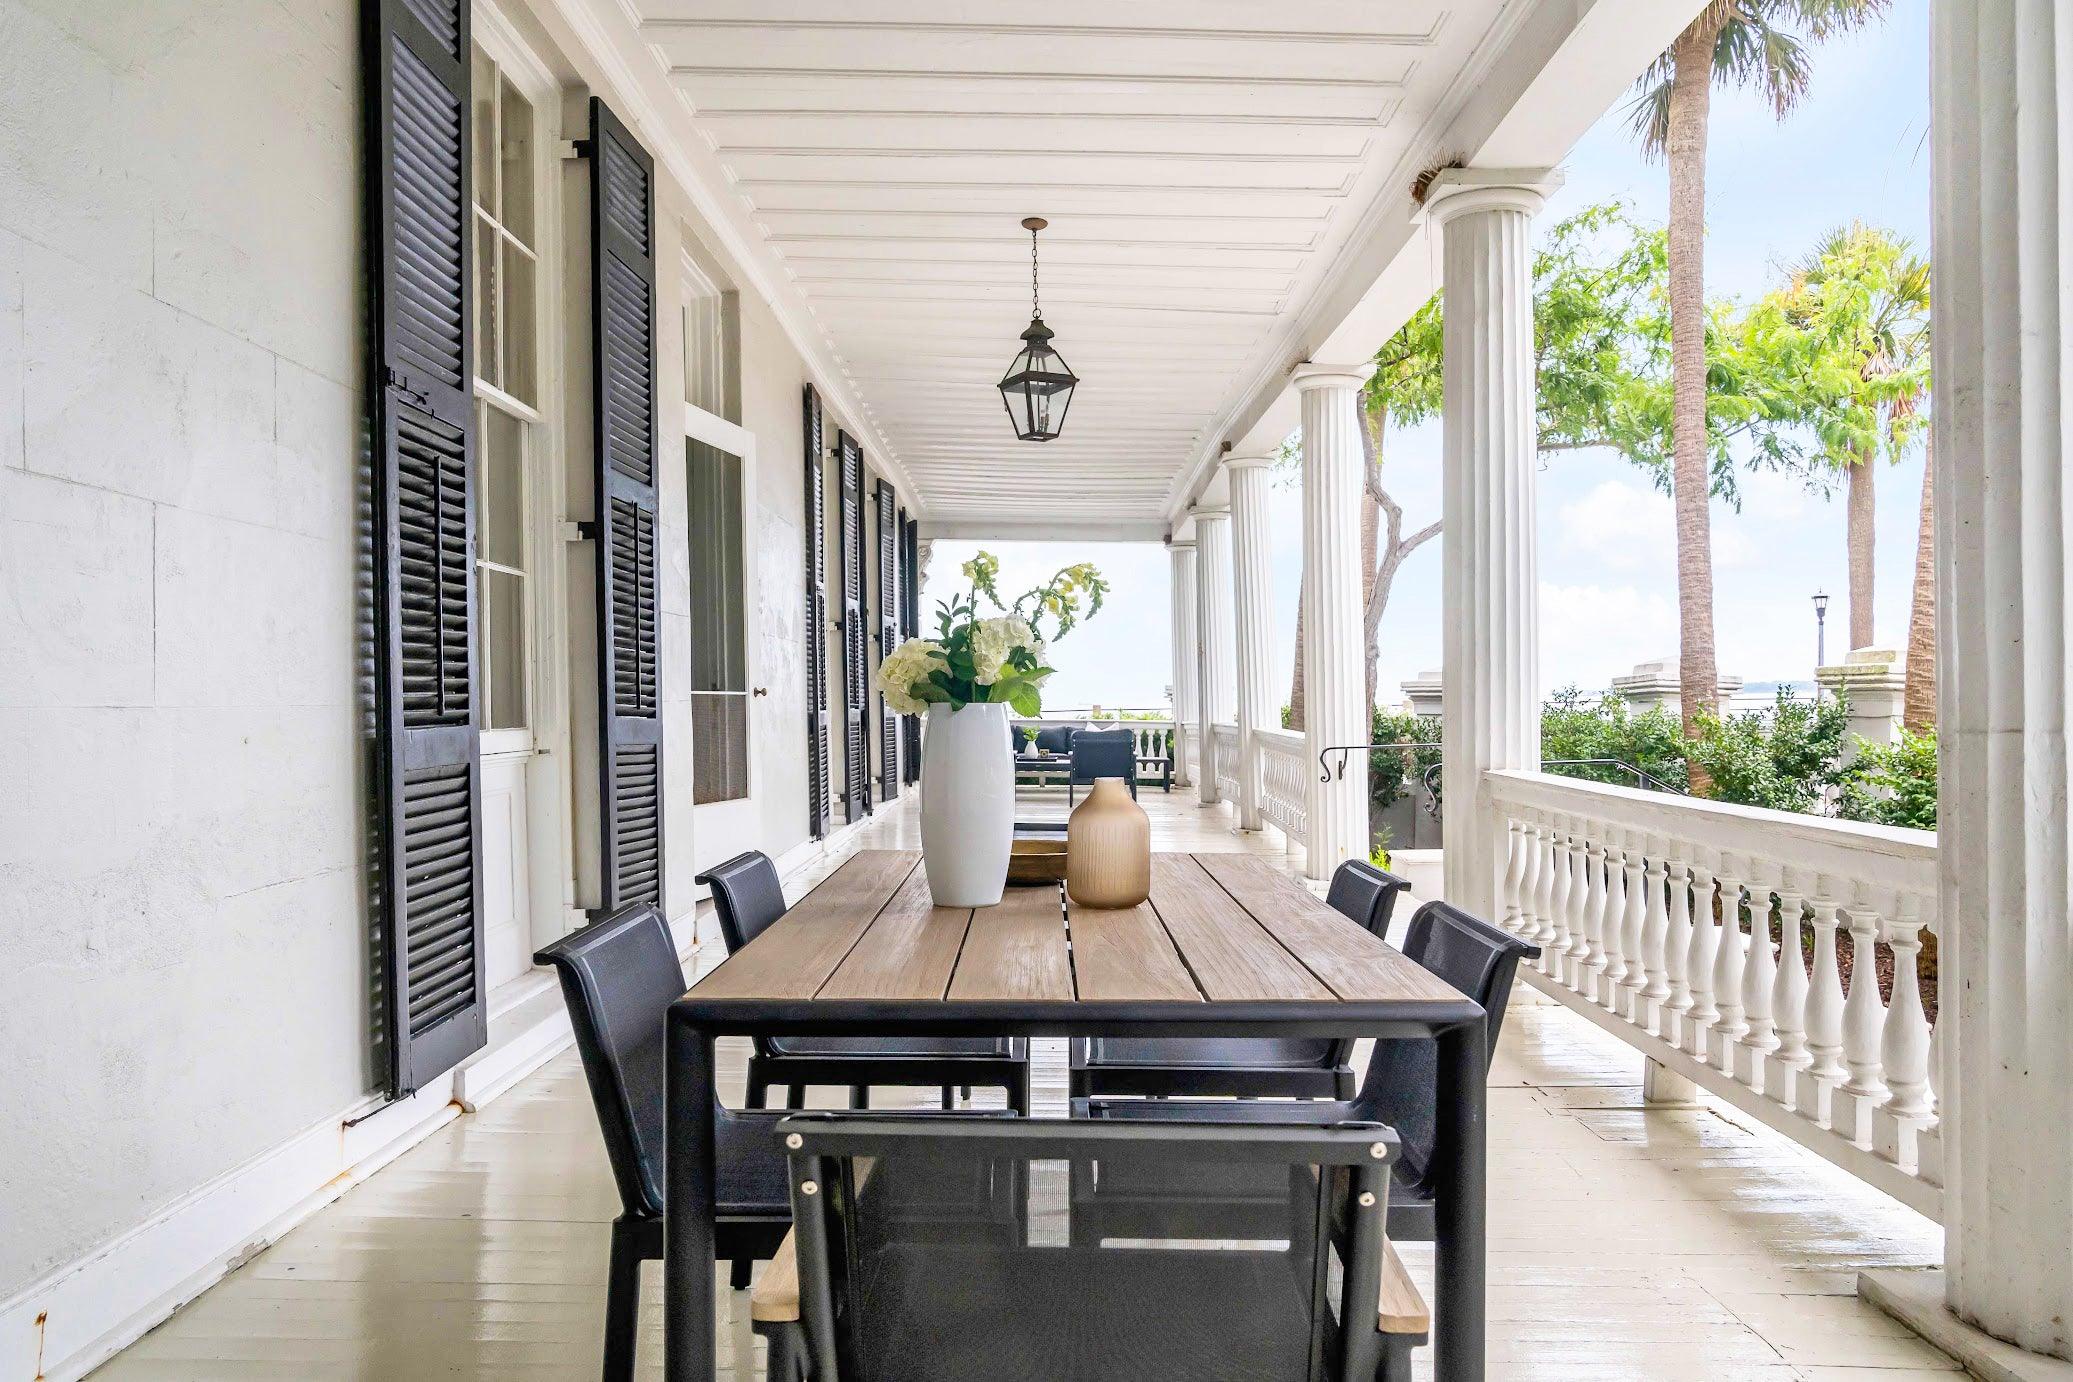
(1108, 848)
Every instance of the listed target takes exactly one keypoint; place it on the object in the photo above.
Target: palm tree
(1861, 300)
(1746, 43)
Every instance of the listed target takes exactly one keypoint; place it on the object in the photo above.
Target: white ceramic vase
(967, 804)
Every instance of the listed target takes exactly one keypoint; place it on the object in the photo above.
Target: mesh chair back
(1401, 1085)
(746, 895)
(1104, 753)
(948, 1249)
(1366, 894)
(619, 977)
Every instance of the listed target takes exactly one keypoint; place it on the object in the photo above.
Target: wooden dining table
(1226, 945)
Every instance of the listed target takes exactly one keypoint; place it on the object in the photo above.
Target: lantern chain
(1035, 306)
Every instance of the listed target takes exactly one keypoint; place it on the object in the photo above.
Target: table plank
(1230, 955)
(1336, 949)
(1016, 950)
(1124, 955)
(908, 952)
(795, 957)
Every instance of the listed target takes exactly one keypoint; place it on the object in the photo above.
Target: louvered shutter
(888, 633)
(910, 617)
(622, 305)
(856, 763)
(817, 786)
(427, 781)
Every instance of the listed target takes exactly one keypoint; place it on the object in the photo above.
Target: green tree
(1788, 760)
(1752, 43)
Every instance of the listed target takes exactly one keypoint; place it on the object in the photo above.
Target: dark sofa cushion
(1056, 739)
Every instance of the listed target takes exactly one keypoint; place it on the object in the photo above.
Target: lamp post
(1820, 638)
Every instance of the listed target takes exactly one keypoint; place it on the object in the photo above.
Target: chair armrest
(776, 1297)
(1403, 1310)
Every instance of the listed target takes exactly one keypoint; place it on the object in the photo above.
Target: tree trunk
(1918, 700)
(1862, 538)
(1691, 93)
(1295, 683)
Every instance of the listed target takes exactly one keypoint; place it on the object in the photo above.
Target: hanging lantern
(1037, 388)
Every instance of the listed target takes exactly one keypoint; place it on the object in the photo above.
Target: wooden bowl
(1036, 861)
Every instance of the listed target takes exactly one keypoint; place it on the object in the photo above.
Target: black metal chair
(946, 1250)
(1400, 1088)
(619, 977)
(748, 899)
(1243, 1067)
(1102, 753)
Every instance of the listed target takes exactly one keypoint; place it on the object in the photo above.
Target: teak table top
(1224, 930)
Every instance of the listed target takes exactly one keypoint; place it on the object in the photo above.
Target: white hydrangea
(993, 640)
(907, 667)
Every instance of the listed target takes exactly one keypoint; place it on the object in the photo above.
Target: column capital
(1236, 462)
(1459, 191)
(1206, 513)
(1180, 544)
(1311, 375)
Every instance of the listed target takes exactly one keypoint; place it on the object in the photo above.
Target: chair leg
(795, 1096)
(739, 1277)
(965, 1091)
(622, 1305)
(949, 1099)
(759, 1090)
(859, 1096)
(1018, 1093)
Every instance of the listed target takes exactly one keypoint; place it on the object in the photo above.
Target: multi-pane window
(719, 675)
(507, 382)
(711, 341)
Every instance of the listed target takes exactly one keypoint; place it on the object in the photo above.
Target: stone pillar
(1335, 686)
(1426, 693)
(1185, 670)
(2002, 240)
(1252, 586)
(1213, 636)
(1873, 681)
(1657, 686)
(1491, 659)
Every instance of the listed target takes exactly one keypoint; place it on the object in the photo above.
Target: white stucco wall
(181, 907)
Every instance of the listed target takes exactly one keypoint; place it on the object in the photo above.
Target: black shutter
(856, 765)
(910, 615)
(888, 634)
(817, 786)
(420, 381)
(622, 317)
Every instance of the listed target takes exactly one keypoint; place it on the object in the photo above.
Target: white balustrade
(1654, 917)
(1223, 754)
(1284, 776)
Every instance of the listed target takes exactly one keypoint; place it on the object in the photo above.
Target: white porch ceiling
(1212, 170)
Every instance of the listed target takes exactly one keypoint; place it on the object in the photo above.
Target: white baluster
(1698, 961)
(1655, 931)
(1544, 934)
(1587, 947)
(1677, 941)
(1514, 859)
(1904, 1049)
(1824, 1011)
(1864, 1020)
(1759, 984)
(1529, 876)
(1728, 956)
(1612, 966)
(1557, 947)
(1789, 997)
(1633, 929)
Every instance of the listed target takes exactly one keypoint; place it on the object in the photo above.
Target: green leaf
(1028, 703)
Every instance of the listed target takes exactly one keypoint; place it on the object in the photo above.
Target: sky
(1856, 148)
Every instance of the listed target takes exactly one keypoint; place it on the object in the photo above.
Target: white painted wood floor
(1625, 1243)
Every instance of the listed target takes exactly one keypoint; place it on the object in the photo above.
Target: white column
(2002, 237)
(1490, 664)
(1335, 688)
(1213, 634)
(1185, 703)
(1252, 585)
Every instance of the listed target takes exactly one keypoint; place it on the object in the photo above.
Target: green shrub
(1790, 760)
(1893, 784)
(1575, 730)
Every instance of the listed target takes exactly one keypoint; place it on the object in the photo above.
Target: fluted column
(1213, 635)
(2002, 239)
(1185, 671)
(1490, 664)
(1335, 687)
(1252, 588)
